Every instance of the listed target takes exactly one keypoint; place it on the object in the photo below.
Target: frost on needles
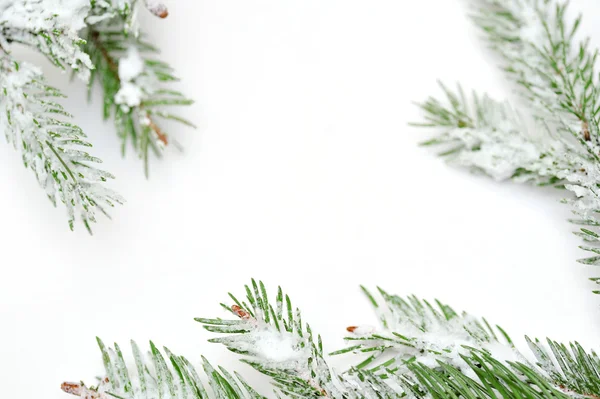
(556, 141)
(421, 350)
(96, 40)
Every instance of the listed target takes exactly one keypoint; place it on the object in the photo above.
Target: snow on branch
(38, 128)
(275, 341)
(489, 137)
(51, 26)
(556, 72)
(435, 353)
(133, 80)
(159, 374)
(417, 331)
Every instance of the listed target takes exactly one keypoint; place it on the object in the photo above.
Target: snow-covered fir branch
(50, 26)
(98, 40)
(131, 78)
(556, 72)
(274, 340)
(38, 127)
(557, 77)
(420, 351)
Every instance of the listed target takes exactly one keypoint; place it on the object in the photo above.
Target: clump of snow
(276, 346)
(73, 12)
(129, 95)
(131, 67)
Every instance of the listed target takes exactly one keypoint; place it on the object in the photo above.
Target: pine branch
(36, 126)
(275, 342)
(50, 28)
(556, 73)
(434, 351)
(422, 351)
(417, 331)
(165, 376)
(559, 77)
(131, 79)
(489, 137)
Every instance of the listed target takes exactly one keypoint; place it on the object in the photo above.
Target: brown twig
(159, 133)
(114, 68)
(112, 65)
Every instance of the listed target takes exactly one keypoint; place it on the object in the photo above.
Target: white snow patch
(132, 65)
(277, 346)
(129, 95)
(130, 68)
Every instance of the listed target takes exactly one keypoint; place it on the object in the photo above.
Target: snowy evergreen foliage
(425, 349)
(91, 38)
(557, 140)
(421, 350)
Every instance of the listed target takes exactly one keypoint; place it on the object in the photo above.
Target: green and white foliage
(51, 146)
(274, 340)
(414, 330)
(420, 351)
(131, 77)
(96, 38)
(432, 351)
(556, 139)
(50, 26)
(159, 375)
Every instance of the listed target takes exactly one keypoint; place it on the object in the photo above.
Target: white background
(303, 172)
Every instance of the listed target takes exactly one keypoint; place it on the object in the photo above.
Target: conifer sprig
(48, 27)
(422, 351)
(132, 80)
(557, 77)
(98, 40)
(50, 145)
(556, 72)
(275, 341)
(159, 374)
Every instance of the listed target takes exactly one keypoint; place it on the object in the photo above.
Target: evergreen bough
(98, 40)
(421, 350)
(557, 140)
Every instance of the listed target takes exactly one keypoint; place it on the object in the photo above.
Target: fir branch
(559, 77)
(36, 126)
(132, 79)
(489, 137)
(159, 374)
(434, 352)
(417, 331)
(50, 28)
(557, 74)
(275, 342)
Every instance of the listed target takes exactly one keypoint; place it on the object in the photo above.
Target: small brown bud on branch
(241, 313)
(72, 387)
(585, 127)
